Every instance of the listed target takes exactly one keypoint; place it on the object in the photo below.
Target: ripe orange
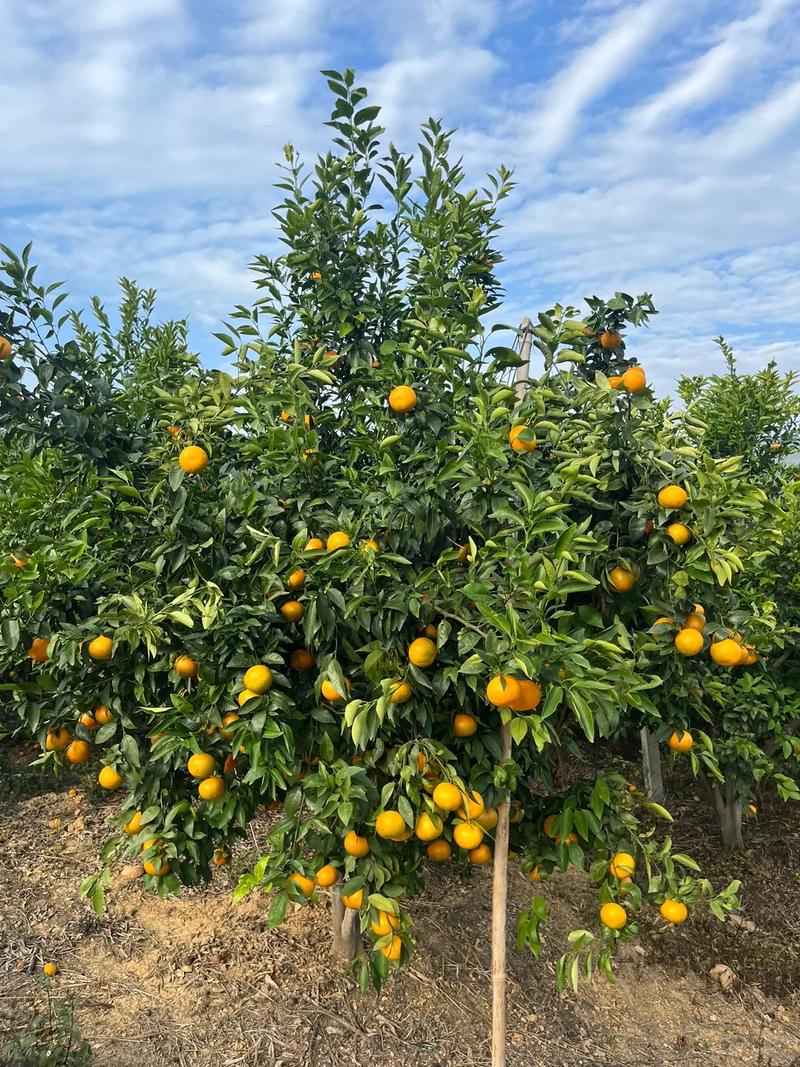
(314, 544)
(109, 778)
(468, 835)
(316, 276)
(245, 695)
(229, 763)
(19, 562)
(727, 653)
(174, 430)
(681, 741)
(100, 648)
(50, 969)
(422, 652)
(228, 720)
(674, 911)
(88, 721)
(185, 666)
(193, 459)
(211, 788)
(400, 693)
(503, 690)
(390, 824)
(301, 660)
(57, 739)
(431, 631)
(338, 539)
(221, 857)
(621, 580)
(258, 678)
(447, 796)
(355, 845)
(672, 497)
(305, 885)
(678, 533)
(749, 656)
(370, 545)
(613, 916)
(464, 725)
(534, 874)
(394, 950)
(622, 864)
(201, 765)
(428, 827)
(385, 923)
(293, 610)
(296, 580)
(5, 348)
(78, 751)
(327, 876)
(480, 856)
(488, 819)
(634, 380)
(134, 824)
(520, 443)
(472, 805)
(547, 825)
(402, 399)
(615, 380)
(688, 642)
(695, 621)
(103, 715)
(610, 339)
(38, 650)
(439, 851)
(330, 693)
(530, 696)
(354, 900)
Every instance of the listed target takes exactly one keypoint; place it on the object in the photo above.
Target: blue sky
(656, 146)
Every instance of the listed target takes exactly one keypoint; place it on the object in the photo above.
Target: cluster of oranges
(613, 916)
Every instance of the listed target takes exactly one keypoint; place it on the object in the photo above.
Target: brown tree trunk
(729, 814)
(499, 900)
(651, 766)
(344, 924)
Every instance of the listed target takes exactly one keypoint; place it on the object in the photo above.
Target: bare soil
(194, 981)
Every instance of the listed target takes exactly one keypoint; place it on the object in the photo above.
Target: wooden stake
(651, 766)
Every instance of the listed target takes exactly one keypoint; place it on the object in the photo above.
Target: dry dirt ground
(192, 981)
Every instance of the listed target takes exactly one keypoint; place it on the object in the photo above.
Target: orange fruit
(88, 721)
(134, 824)
(672, 497)
(678, 533)
(439, 851)
(688, 642)
(394, 950)
(327, 876)
(245, 695)
(50, 969)
(338, 539)
(613, 916)
(468, 835)
(229, 764)
(193, 459)
(201, 765)
(100, 648)
(431, 631)
(185, 666)
(355, 845)
(384, 924)
(610, 339)
(487, 819)
(402, 399)
(316, 276)
(370, 545)
(533, 874)
(5, 348)
(296, 580)
(726, 653)
(109, 778)
(480, 856)
(314, 544)
(293, 610)
(621, 580)
(78, 751)
(530, 696)
(301, 660)
(103, 715)
(519, 443)
(464, 725)
(57, 739)
(422, 652)
(615, 380)
(400, 692)
(305, 885)
(38, 650)
(258, 678)
(228, 720)
(547, 825)
(390, 824)
(749, 656)
(329, 691)
(695, 621)
(174, 430)
(211, 788)
(634, 380)
(221, 857)
(503, 690)
(674, 911)
(428, 827)
(680, 741)
(447, 796)
(354, 900)
(622, 864)
(472, 806)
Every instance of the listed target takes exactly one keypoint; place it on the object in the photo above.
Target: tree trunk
(651, 766)
(344, 924)
(729, 814)
(499, 900)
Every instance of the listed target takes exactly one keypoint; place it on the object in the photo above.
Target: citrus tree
(361, 577)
